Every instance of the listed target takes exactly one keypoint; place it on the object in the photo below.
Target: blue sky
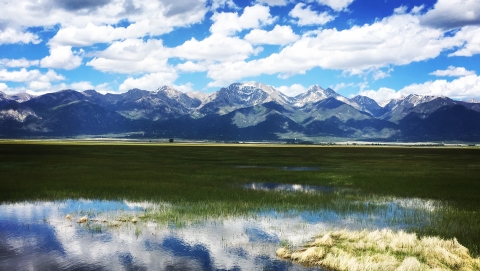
(383, 49)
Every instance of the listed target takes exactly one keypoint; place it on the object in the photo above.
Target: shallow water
(37, 236)
(282, 168)
(288, 187)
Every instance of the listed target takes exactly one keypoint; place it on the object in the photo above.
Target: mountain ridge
(240, 111)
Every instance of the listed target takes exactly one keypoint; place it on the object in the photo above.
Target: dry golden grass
(382, 250)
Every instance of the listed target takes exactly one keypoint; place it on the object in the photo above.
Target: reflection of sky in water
(282, 168)
(36, 236)
(288, 187)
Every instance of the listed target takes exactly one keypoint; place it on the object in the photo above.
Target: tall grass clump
(382, 250)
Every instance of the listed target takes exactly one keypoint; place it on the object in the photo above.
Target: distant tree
(170, 140)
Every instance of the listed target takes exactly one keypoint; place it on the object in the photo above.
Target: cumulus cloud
(92, 34)
(229, 23)
(453, 71)
(3, 87)
(357, 50)
(191, 66)
(340, 86)
(292, 90)
(24, 75)
(150, 81)
(215, 47)
(382, 95)
(470, 37)
(18, 63)
(79, 13)
(336, 5)
(306, 16)
(280, 35)
(449, 14)
(83, 23)
(273, 3)
(460, 88)
(11, 36)
(216, 4)
(132, 56)
(85, 5)
(62, 57)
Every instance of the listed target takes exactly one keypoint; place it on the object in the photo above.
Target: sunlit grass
(382, 250)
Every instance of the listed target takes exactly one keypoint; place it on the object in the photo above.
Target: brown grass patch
(382, 250)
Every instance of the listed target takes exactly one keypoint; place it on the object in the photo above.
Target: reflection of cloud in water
(37, 235)
(288, 187)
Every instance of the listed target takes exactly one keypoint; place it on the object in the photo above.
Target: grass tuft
(382, 250)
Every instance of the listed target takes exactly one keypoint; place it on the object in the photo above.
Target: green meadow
(206, 181)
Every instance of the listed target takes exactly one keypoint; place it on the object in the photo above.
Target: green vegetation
(199, 181)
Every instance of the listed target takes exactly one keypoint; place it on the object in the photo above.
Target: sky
(382, 49)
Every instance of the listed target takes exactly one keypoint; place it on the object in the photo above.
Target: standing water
(52, 236)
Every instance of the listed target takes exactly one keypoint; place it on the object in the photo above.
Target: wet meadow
(182, 187)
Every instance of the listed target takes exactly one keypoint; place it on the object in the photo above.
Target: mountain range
(241, 111)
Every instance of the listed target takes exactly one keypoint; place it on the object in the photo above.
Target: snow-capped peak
(416, 99)
(19, 97)
(275, 95)
(316, 93)
(169, 91)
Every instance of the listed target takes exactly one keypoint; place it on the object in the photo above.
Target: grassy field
(206, 181)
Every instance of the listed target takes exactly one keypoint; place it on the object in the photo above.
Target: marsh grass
(198, 182)
(382, 250)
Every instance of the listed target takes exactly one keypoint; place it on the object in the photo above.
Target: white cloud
(273, 3)
(382, 95)
(380, 74)
(306, 16)
(449, 14)
(83, 85)
(292, 90)
(191, 66)
(39, 85)
(280, 35)
(229, 23)
(92, 34)
(24, 75)
(470, 37)
(18, 63)
(161, 14)
(217, 4)
(215, 47)
(62, 57)
(417, 9)
(11, 36)
(150, 81)
(453, 71)
(400, 10)
(132, 56)
(188, 87)
(336, 5)
(340, 86)
(460, 88)
(3, 87)
(357, 50)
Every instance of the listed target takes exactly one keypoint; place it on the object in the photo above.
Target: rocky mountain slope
(241, 111)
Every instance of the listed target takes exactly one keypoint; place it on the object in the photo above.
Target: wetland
(221, 207)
